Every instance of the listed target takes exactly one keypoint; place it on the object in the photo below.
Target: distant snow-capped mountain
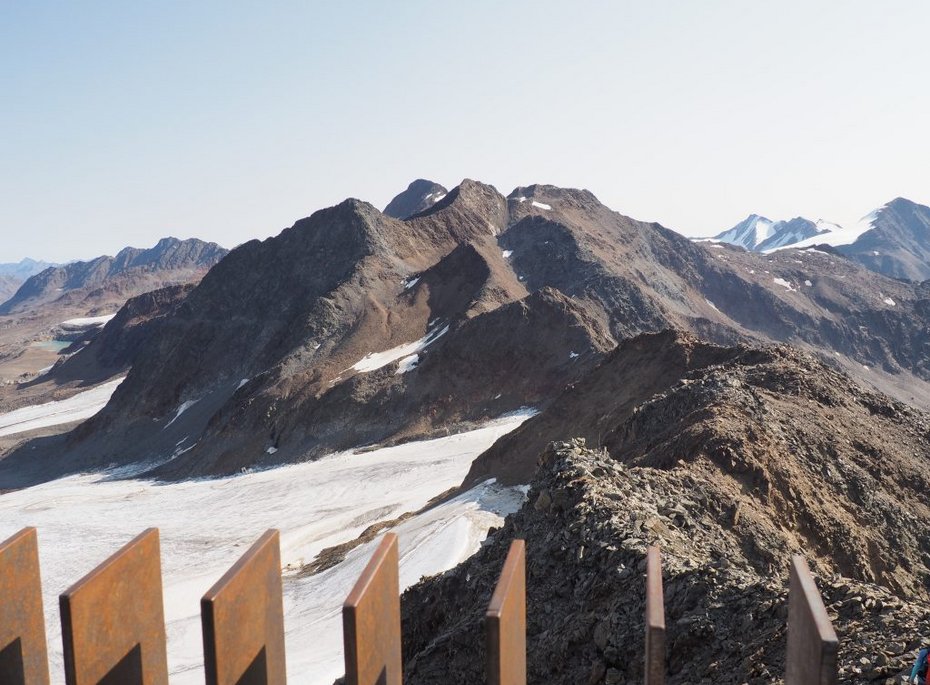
(893, 240)
(758, 234)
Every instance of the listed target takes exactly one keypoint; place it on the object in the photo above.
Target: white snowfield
(206, 525)
(77, 408)
(86, 322)
(377, 360)
(783, 283)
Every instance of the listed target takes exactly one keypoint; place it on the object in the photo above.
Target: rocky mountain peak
(419, 196)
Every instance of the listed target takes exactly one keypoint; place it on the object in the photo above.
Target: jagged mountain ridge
(275, 354)
(731, 462)
(132, 270)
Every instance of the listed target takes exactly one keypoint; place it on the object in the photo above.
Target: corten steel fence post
(243, 620)
(505, 621)
(371, 621)
(113, 620)
(812, 642)
(655, 619)
(23, 650)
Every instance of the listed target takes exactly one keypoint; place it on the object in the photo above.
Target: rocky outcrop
(730, 471)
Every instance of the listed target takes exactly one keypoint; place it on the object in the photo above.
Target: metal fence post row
(505, 621)
(242, 617)
(371, 621)
(812, 642)
(655, 619)
(113, 620)
(23, 649)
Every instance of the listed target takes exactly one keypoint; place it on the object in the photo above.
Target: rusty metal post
(505, 621)
(113, 620)
(812, 642)
(371, 621)
(242, 617)
(23, 649)
(655, 619)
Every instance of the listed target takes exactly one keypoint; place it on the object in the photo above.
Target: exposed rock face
(898, 244)
(131, 272)
(353, 327)
(419, 196)
(754, 456)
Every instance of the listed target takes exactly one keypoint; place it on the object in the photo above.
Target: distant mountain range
(759, 234)
(108, 280)
(353, 327)
(894, 240)
(13, 274)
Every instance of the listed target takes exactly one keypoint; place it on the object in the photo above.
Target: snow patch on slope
(77, 408)
(183, 408)
(86, 322)
(377, 360)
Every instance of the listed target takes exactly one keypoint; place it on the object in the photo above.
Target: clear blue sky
(126, 121)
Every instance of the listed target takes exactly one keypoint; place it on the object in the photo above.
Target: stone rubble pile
(587, 522)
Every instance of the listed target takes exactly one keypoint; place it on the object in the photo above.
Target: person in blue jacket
(919, 672)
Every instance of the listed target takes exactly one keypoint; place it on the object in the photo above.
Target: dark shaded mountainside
(132, 271)
(352, 327)
(730, 459)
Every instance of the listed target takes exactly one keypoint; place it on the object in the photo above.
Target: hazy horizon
(128, 123)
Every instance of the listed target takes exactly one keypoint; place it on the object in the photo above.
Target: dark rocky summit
(750, 455)
(418, 197)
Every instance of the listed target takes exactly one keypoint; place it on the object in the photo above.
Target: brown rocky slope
(758, 454)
